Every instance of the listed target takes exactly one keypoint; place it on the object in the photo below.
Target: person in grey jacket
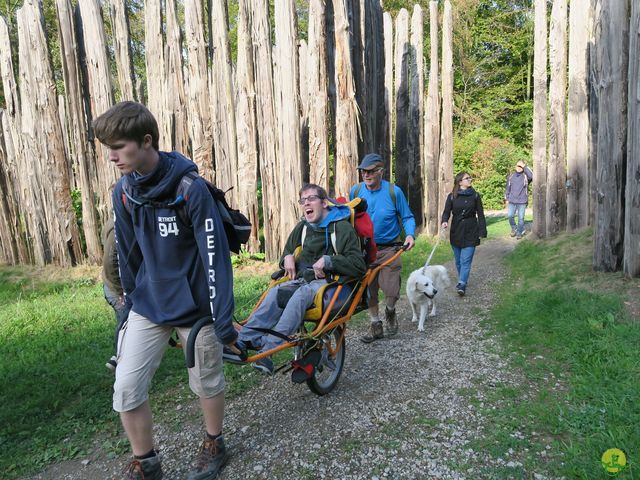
(517, 196)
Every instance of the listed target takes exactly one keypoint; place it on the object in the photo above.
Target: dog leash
(433, 250)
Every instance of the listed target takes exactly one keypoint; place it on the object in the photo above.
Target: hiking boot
(519, 236)
(460, 288)
(513, 232)
(212, 457)
(392, 321)
(264, 365)
(375, 333)
(146, 469)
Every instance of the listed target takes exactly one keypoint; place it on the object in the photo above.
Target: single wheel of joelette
(329, 369)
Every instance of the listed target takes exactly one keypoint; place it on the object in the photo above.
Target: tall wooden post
(401, 100)
(445, 163)
(122, 48)
(81, 150)
(198, 103)
(389, 106)
(540, 120)
(266, 127)
(578, 119)
(611, 64)
(100, 90)
(416, 107)
(347, 117)
(174, 91)
(431, 218)
(556, 169)
(318, 96)
(246, 126)
(631, 263)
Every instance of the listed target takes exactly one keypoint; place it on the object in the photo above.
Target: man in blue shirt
(390, 214)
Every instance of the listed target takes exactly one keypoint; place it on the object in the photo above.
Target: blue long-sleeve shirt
(173, 273)
(384, 213)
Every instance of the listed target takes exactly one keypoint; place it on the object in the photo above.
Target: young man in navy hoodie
(173, 273)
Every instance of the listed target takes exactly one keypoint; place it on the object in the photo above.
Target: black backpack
(237, 227)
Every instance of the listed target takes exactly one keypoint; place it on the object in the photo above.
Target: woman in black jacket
(467, 226)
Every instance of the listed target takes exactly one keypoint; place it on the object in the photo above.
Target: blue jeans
(464, 257)
(512, 208)
(282, 320)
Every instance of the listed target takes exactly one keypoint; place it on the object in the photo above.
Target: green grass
(566, 328)
(55, 339)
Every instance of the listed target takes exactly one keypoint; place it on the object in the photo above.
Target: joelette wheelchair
(319, 344)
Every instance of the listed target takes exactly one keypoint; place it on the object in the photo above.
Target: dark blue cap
(370, 160)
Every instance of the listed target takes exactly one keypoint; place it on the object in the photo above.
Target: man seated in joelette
(308, 272)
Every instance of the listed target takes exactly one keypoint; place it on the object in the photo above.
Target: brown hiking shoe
(375, 333)
(392, 321)
(212, 457)
(147, 469)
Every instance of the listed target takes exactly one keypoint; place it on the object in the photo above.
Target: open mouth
(427, 295)
(308, 212)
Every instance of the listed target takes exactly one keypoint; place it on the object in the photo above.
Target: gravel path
(398, 411)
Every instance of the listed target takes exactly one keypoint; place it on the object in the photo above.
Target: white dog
(422, 287)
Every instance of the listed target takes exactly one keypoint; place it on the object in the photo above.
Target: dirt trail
(399, 410)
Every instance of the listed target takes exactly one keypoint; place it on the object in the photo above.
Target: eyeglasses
(372, 171)
(467, 178)
(310, 198)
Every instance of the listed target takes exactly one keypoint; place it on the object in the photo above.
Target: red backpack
(363, 226)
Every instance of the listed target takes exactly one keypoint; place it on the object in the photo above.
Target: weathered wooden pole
(416, 108)
(226, 154)
(100, 90)
(318, 95)
(556, 168)
(199, 109)
(80, 148)
(631, 261)
(289, 143)
(246, 126)
(174, 91)
(266, 127)
(42, 134)
(445, 161)
(16, 163)
(400, 168)
(540, 120)
(389, 108)
(611, 65)
(122, 48)
(373, 58)
(347, 115)
(578, 119)
(156, 71)
(431, 219)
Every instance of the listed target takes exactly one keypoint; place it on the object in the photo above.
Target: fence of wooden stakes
(276, 111)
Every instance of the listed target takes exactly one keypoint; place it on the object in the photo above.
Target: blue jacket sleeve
(408, 220)
(129, 254)
(528, 173)
(213, 248)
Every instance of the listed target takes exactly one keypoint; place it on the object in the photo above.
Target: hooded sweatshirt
(516, 191)
(346, 262)
(173, 273)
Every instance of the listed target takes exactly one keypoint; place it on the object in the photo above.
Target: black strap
(269, 332)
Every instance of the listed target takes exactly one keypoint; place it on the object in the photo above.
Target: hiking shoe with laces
(146, 469)
(513, 232)
(375, 333)
(461, 289)
(392, 321)
(212, 457)
(519, 236)
(264, 365)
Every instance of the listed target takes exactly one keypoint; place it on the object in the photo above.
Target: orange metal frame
(324, 324)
